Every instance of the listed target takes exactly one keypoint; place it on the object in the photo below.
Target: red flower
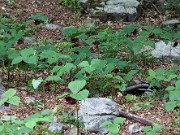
(87, 74)
(70, 100)
(96, 43)
(74, 40)
(20, 41)
(47, 85)
(37, 22)
(6, 104)
(60, 63)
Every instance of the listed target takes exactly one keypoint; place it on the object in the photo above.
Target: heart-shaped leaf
(36, 83)
(82, 95)
(76, 86)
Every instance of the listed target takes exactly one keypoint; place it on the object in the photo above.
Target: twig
(135, 118)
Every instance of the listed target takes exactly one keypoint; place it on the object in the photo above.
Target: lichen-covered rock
(94, 111)
(113, 10)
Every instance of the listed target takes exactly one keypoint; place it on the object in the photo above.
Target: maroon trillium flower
(87, 74)
(96, 43)
(74, 40)
(6, 104)
(37, 22)
(70, 100)
(60, 63)
(20, 41)
(47, 85)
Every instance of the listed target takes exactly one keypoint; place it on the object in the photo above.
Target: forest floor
(62, 16)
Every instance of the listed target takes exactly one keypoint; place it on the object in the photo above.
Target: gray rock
(171, 23)
(57, 127)
(73, 131)
(113, 10)
(166, 51)
(29, 40)
(163, 51)
(135, 128)
(94, 111)
(51, 26)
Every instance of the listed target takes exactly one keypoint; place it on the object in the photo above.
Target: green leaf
(177, 85)
(14, 100)
(152, 73)
(62, 95)
(82, 95)
(171, 105)
(146, 129)
(17, 60)
(119, 120)
(121, 87)
(9, 93)
(157, 127)
(27, 52)
(114, 128)
(174, 95)
(130, 28)
(76, 86)
(46, 112)
(31, 60)
(32, 123)
(39, 16)
(106, 123)
(36, 83)
(170, 88)
(2, 101)
(53, 78)
(70, 30)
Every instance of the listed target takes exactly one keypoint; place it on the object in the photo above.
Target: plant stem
(77, 118)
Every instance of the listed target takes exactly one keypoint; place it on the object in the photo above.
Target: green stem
(77, 118)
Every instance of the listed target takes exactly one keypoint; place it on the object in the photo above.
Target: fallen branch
(135, 118)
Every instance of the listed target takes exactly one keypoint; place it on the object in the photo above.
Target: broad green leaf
(39, 16)
(106, 123)
(119, 120)
(152, 73)
(170, 88)
(171, 105)
(46, 112)
(9, 118)
(174, 95)
(31, 60)
(53, 78)
(121, 87)
(130, 28)
(32, 123)
(2, 127)
(76, 86)
(70, 30)
(14, 100)
(36, 83)
(62, 95)
(2, 101)
(27, 52)
(130, 74)
(9, 93)
(17, 60)
(178, 85)
(84, 64)
(157, 127)
(82, 95)
(114, 128)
